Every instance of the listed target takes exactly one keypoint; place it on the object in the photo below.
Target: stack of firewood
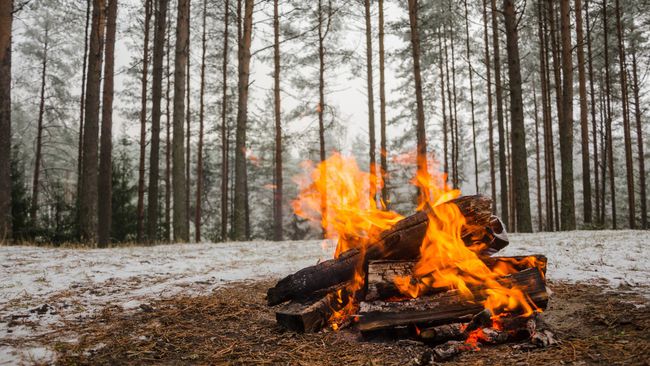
(315, 293)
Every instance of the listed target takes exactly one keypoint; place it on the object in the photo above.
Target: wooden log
(444, 308)
(312, 314)
(402, 241)
(489, 239)
(381, 274)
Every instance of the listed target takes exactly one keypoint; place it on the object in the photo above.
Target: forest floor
(204, 303)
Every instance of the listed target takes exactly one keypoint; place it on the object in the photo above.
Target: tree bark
(241, 197)
(277, 190)
(105, 188)
(540, 218)
(39, 132)
(584, 117)
(552, 37)
(518, 139)
(82, 100)
(168, 137)
(568, 215)
(449, 126)
(199, 152)
(503, 176)
(188, 119)
(224, 128)
(417, 75)
(156, 98)
(546, 117)
(371, 104)
(322, 33)
(629, 165)
(493, 184)
(471, 95)
(445, 133)
(608, 124)
(383, 161)
(181, 229)
(639, 139)
(6, 18)
(143, 119)
(592, 93)
(88, 202)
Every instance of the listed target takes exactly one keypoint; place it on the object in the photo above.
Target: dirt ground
(233, 326)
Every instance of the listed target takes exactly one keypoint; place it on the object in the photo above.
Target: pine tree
(156, 111)
(199, 152)
(566, 122)
(88, 194)
(143, 119)
(278, 184)
(106, 145)
(244, 54)
(181, 229)
(417, 76)
(518, 139)
(6, 18)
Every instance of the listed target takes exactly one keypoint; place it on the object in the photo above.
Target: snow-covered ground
(42, 287)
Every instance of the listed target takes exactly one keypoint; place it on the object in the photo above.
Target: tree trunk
(105, 188)
(639, 139)
(471, 96)
(6, 17)
(518, 137)
(449, 126)
(168, 137)
(181, 229)
(558, 97)
(143, 120)
(503, 177)
(493, 186)
(382, 109)
(156, 98)
(224, 129)
(39, 132)
(445, 138)
(371, 104)
(584, 118)
(199, 152)
(629, 165)
(239, 224)
(540, 218)
(88, 202)
(321, 103)
(82, 99)
(546, 117)
(277, 190)
(455, 134)
(568, 215)
(608, 137)
(417, 75)
(593, 115)
(188, 118)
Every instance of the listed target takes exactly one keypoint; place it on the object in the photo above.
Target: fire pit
(430, 277)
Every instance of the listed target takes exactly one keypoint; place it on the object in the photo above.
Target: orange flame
(341, 197)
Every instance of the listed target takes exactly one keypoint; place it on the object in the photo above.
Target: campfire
(431, 276)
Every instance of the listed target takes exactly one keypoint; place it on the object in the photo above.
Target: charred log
(312, 314)
(381, 274)
(445, 308)
(400, 242)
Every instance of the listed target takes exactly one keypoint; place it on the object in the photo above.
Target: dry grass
(233, 326)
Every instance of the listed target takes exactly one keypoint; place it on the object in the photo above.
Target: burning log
(381, 274)
(312, 314)
(447, 307)
(400, 242)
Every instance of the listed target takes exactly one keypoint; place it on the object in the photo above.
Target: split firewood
(400, 242)
(445, 308)
(312, 314)
(381, 274)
